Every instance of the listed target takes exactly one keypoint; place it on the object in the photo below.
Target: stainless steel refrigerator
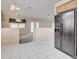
(65, 32)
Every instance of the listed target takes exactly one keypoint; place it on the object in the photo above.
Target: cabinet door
(68, 33)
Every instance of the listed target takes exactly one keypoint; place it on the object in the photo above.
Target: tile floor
(32, 51)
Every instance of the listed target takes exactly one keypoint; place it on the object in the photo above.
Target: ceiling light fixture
(12, 7)
(18, 20)
(17, 8)
(29, 7)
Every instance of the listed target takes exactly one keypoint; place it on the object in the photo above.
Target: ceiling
(37, 8)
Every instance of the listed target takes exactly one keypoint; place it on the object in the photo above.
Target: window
(32, 26)
(37, 24)
(13, 25)
(21, 25)
(17, 24)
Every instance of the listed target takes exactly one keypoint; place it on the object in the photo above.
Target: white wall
(44, 36)
(42, 24)
(9, 36)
